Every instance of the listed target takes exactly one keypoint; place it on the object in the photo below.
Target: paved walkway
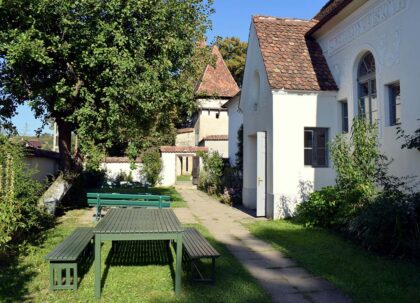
(279, 276)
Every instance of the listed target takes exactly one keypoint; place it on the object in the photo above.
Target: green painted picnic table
(127, 224)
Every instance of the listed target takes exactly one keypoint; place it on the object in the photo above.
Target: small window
(217, 115)
(344, 116)
(394, 104)
(315, 147)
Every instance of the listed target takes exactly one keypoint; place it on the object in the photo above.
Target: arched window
(368, 102)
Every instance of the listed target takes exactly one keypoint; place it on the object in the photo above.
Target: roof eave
(328, 17)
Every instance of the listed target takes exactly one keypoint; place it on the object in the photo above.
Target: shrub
(19, 213)
(390, 224)
(321, 208)
(211, 173)
(152, 167)
(357, 161)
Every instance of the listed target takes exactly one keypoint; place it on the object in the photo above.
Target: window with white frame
(315, 147)
(394, 104)
(368, 102)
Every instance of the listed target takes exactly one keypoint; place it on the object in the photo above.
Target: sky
(231, 18)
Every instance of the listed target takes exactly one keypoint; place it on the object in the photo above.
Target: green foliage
(211, 172)
(239, 162)
(233, 51)
(152, 166)
(390, 224)
(368, 204)
(410, 141)
(357, 161)
(110, 71)
(18, 196)
(320, 209)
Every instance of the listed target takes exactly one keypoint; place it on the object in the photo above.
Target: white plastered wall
(256, 105)
(292, 112)
(221, 146)
(168, 173)
(114, 169)
(41, 167)
(208, 123)
(392, 37)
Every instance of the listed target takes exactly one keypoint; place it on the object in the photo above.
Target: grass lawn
(27, 279)
(365, 277)
(176, 199)
(184, 178)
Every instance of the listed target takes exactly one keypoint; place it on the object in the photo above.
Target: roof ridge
(283, 18)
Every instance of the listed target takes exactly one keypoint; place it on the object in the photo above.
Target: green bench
(75, 249)
(126, 200)
(196, 248)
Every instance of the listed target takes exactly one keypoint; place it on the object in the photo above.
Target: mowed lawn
(27, 279)
(366, 277)
(176, 199)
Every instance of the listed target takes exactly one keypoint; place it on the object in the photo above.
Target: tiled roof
(328, 11)
(34, 143)
(217, 81)
(292, 61)
(332, 7)
(120, 160)
(183, 149)
(216, 138)
(41, 153)
(185, 130)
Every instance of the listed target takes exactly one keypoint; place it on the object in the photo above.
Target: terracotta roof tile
(217, 80)
(120, 160)
(332, 7)
(328, 11)
(185, 130)
(216, 138)
(292, 61)
(183, 149)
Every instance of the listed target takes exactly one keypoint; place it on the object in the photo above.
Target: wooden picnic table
(128, 224)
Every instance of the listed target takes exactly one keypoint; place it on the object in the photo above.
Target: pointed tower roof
(217, 81)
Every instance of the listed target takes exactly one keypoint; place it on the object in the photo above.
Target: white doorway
(261, 174)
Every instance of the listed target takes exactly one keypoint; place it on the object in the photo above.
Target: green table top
(138, 220)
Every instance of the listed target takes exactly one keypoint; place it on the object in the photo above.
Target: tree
(108, 71)
(233, 51)
(410, 141)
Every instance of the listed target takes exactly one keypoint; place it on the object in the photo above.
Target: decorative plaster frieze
(372, 18)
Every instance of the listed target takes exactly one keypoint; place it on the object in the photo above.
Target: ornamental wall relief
(373, 17)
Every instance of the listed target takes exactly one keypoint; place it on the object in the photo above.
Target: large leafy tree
(110, 71)
(233, 51)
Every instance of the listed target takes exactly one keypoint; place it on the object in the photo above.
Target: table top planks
(138, 220)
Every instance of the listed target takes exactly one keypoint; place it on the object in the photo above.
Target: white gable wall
(392, 37)
(256, 119)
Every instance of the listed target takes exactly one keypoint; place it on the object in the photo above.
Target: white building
(305, 81)
(235, 123)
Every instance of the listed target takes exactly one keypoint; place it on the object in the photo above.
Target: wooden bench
(126, 200)
(75, 249)
(197, 248)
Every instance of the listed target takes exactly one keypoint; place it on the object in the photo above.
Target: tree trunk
(64, 144)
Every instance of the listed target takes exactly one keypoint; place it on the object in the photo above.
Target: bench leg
(75, 277)
(213, 270)
(56, 276)
(52, 282)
